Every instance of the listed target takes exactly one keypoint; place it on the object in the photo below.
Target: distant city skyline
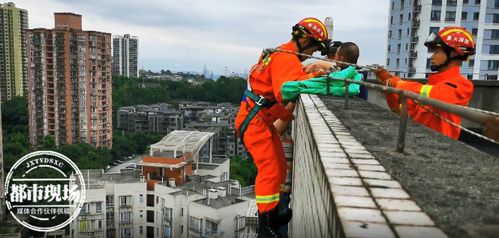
(186, 35)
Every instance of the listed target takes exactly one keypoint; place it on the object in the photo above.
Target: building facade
(159, 118)
(69, 83)
(179, 189)
(411, 22)
(125, 55)
(13, 26)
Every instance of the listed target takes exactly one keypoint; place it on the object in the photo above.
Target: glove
(383, 75)
(387, 78)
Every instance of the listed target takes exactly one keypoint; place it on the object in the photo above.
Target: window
(211, 228)
(389, 48)
(393, 4)
(398, 48)
(495, 18)
(477, 2)
(435, 15)
(405, 62)
(494, 49)
(401, 19)
(493, 65)
(391, 20)
(398, 63)
(407, 31)
(464, 16)
(409, 17)
(437, 3)
(126, 233)
(387, 62)
(474, 31)
(141, 198)
(451, 2)
(99, 224)
(141, 230)
(83, 225)
(450, 16)
(494, 34)
(465, 1)
(195, 224)
(428, 63)
(491, 77)
(471, 63)
(390, 34)
(400, 33)
(476, 15)
(98, 207)
(402, 4)
(125, 200)
(406, 46)
(126, 217)
(433, 30)
(496, 4)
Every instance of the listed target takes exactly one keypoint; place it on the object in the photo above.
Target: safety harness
(268, 110)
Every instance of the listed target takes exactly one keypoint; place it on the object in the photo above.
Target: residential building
(13, 26)
(411, 22)
(160, 118)
(125, 55)
(179, 190)
(3, 210)
(69, 83)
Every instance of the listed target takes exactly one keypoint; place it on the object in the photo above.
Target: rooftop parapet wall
(349, 181)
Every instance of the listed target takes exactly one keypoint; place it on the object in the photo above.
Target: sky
(186, 35)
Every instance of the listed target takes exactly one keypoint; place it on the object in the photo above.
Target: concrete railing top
(349, 182)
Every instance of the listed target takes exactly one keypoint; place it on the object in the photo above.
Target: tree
(243, 170)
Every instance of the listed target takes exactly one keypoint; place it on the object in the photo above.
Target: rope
(456, 125)
(385, 89)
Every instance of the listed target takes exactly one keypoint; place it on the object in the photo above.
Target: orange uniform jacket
(448, 86)
(261, 139)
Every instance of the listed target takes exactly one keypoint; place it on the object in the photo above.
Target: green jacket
(291, 90)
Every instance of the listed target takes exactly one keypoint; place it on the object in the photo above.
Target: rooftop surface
(455, 184)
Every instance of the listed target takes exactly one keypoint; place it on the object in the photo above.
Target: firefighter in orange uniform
(261, 107)
(452, 46)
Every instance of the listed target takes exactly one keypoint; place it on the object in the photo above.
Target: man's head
(451, 46)
(309, 36)
(347, 52)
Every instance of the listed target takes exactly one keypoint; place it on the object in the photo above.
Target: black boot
(269, 222)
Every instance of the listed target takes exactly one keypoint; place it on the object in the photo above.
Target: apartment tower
(69, 83)
(125, 55)
(411, 21)
(13, 26)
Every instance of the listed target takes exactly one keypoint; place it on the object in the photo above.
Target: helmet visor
(433, 41)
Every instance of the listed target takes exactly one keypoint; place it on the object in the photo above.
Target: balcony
(354, 184)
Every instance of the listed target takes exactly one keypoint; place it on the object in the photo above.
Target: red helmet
(312, 28)
(455, 37)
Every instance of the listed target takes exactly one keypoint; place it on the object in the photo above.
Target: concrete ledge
(340, 189)
(454, 184)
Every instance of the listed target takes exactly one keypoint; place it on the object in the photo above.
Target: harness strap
(260, 102)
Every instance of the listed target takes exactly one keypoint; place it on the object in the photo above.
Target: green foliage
(243, 170)
(15, 130)
(126, 144)
(126, 91)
